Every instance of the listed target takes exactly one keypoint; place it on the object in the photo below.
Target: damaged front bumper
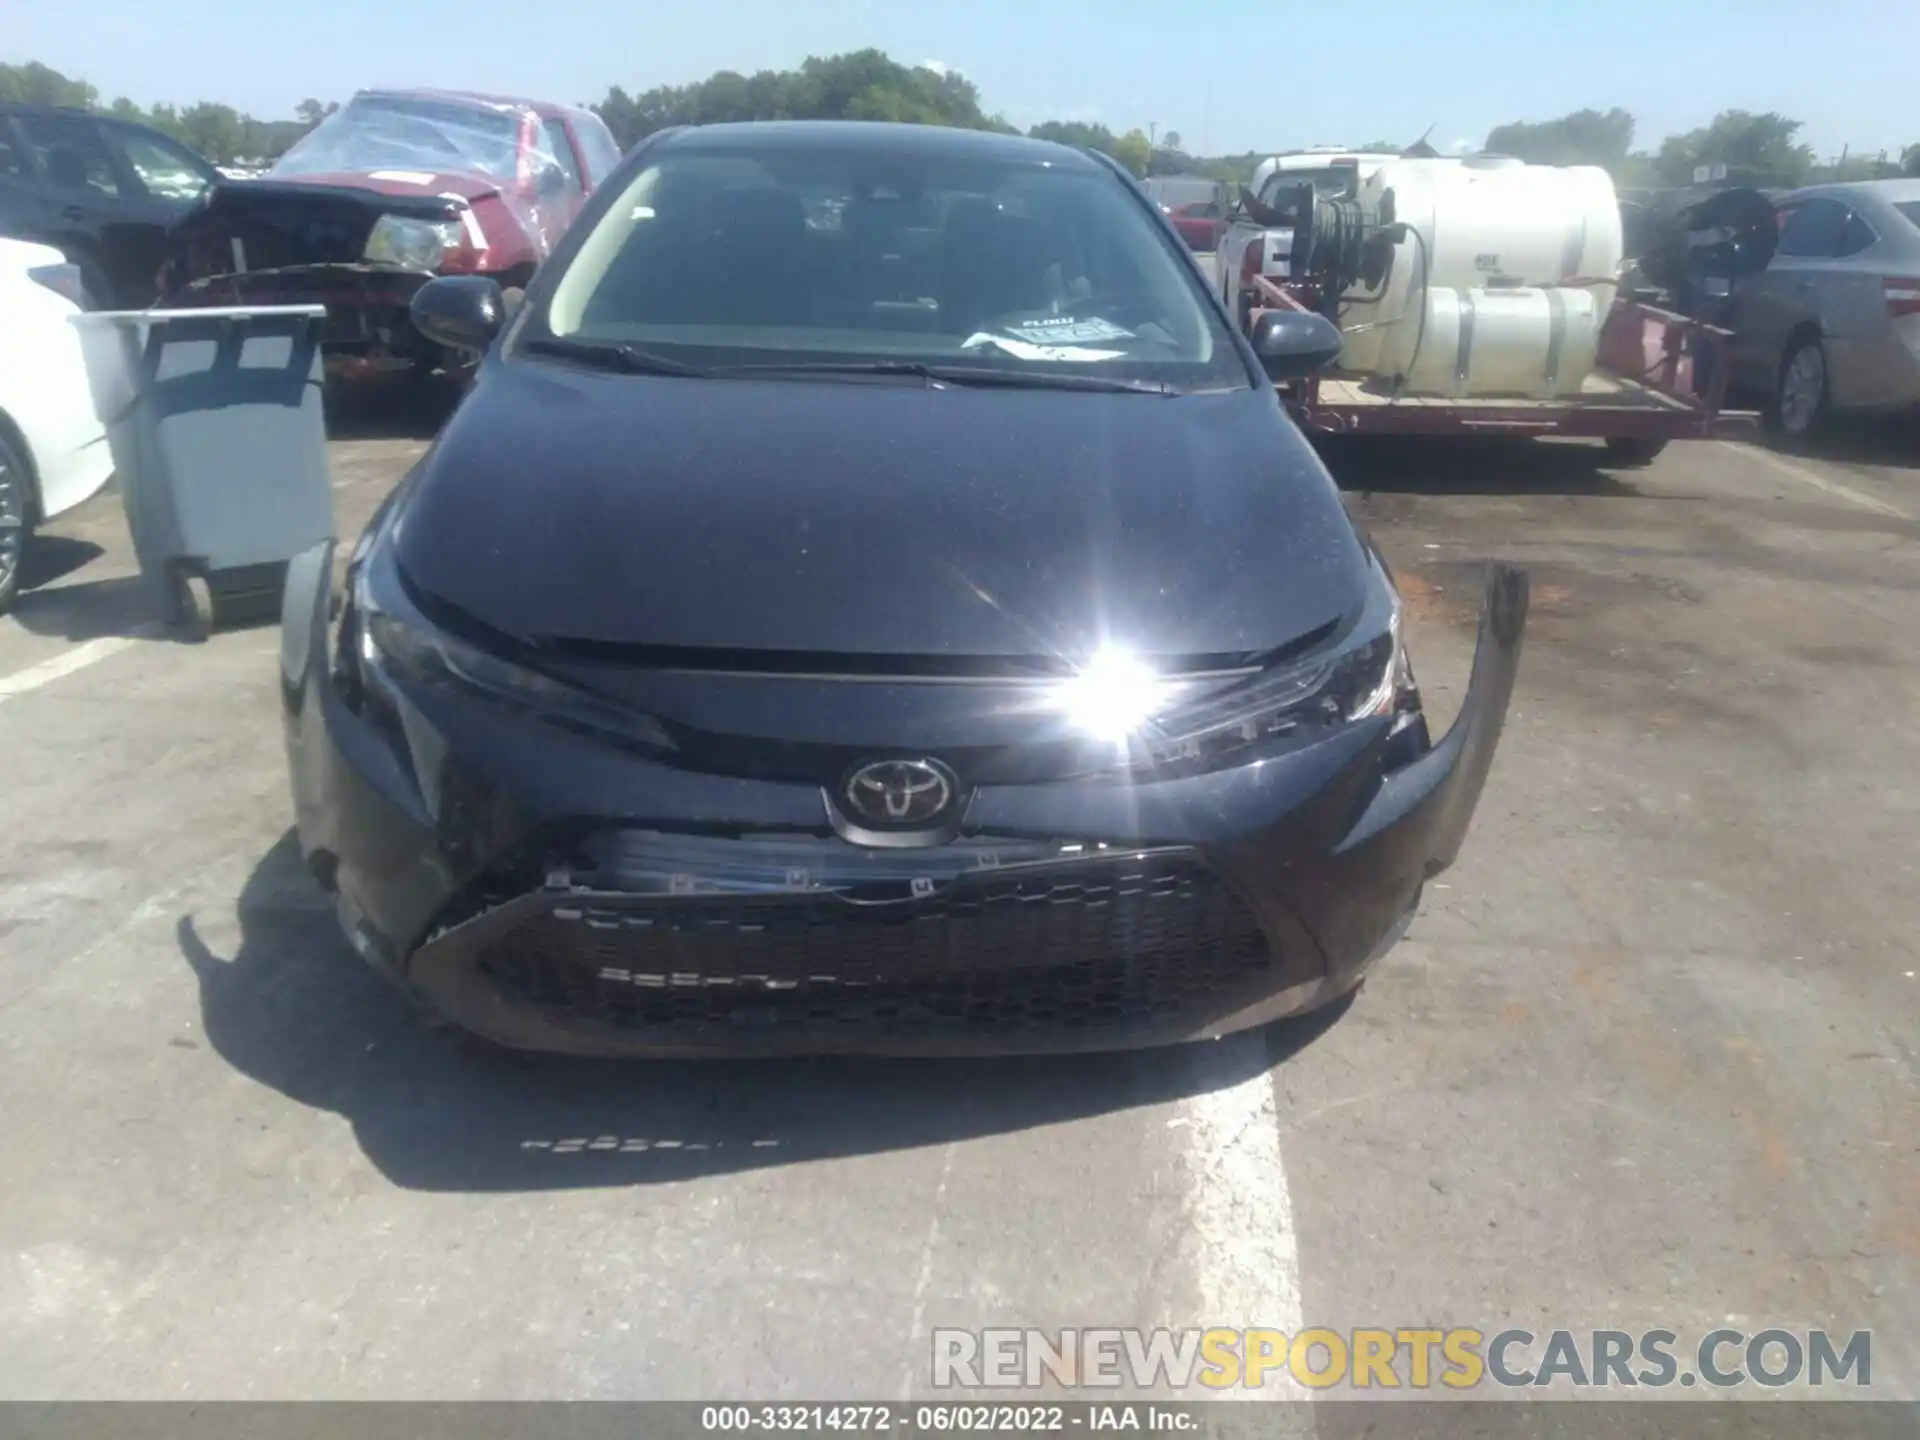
(553, 893)
(369, 327)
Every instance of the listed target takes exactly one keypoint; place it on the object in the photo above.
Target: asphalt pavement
(1647, 1058)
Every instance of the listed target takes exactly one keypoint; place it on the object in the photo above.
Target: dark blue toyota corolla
(871, 600)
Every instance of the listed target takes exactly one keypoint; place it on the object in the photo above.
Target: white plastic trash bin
(215, 421)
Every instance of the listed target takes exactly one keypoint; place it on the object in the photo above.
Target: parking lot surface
(1647, 1058)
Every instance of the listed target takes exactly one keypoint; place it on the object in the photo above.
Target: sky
(1220, 72)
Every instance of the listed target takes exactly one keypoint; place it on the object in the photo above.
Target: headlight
(391, 648)
(1113, 697)
(410, 244)
(1154, 721)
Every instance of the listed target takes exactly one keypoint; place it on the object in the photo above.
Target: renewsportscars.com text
(1400, 1357)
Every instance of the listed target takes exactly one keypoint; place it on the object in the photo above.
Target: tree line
(219, 132)
(862, 85)
(1760, 149)
(1757, 148)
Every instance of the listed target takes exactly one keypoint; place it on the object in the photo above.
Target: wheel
(1633, 452)
(93, 280)
(193, 607)
(433, 390)
(1801, 396)
(16, 521)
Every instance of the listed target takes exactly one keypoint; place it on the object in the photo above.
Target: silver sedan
(1834, 321)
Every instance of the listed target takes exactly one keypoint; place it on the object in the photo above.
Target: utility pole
(1153, 142)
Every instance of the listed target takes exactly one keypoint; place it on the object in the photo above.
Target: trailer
(1660, 376)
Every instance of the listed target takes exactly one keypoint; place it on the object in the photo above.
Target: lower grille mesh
(1111, 943)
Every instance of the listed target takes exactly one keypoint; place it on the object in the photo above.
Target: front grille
(1113, 943)
(364, 306)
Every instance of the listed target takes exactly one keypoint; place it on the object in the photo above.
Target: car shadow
(1892, 440)
(296, 1010)
(121, 605)
(51, 558)
(1469, 465)
(398, 408)
(127, 607)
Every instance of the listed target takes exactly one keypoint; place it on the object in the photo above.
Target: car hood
(741, 522)
(388, 182)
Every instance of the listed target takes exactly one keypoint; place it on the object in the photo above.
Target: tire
(100, 293)
(1633, 452)
(194, 612)
(1801, 393)
(16, 521)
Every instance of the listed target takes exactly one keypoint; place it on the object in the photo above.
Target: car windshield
(1911, 210)
(1330, 179)
(793, 255)
(405, 133)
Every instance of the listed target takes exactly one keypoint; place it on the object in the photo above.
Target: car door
(163, 181)
(1783, 297)
(1850, 296)
(1237, 232)
(79, 191)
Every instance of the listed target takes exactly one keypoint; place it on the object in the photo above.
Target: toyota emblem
(900, 792)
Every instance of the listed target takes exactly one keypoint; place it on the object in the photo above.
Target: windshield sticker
(1065, 330)
(403, 177)
(1028, 350)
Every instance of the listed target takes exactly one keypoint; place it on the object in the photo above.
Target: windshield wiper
(610, 355)
(1050, 380)
(978, 375)
(831, 367)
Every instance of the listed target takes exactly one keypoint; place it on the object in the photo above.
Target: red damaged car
(394, 187)
(1196, 205)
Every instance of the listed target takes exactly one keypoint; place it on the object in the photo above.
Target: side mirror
(1291, 343)
(464, 311)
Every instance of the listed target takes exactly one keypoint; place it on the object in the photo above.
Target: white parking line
(1814, 478)
(917, 1332)
(1248, 1265)
(78, 658)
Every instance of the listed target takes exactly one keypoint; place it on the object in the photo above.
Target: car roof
(68, 112)
(546, 109)
(881, 137)
(77, 112)
(1314, 159)
(1889, 191)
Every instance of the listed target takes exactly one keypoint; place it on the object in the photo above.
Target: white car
(53, 448)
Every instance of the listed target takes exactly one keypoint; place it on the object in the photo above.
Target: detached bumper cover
(553, 894)
(367, 305)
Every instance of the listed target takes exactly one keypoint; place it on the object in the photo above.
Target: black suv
(104, 191)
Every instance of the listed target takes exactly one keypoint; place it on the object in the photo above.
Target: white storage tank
(1481, 220)
(1534, 342)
